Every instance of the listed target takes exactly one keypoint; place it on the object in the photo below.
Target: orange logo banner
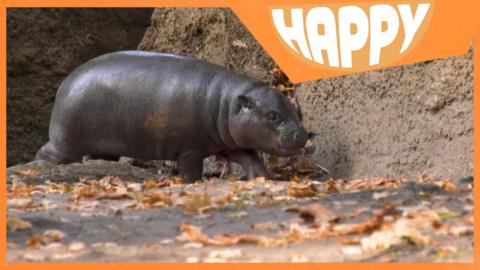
(317, 39)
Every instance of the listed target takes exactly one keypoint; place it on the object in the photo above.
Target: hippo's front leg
(251, 163)
(190, 166)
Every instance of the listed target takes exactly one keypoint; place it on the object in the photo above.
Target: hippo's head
(265, 120)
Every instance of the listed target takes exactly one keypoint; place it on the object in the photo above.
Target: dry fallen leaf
(461, 230)
(315, 213)
(34, 241)
(352, 250)
(225, 253)
(59, 188)
(350, 240)
(239, 44)
(34, 256)
(380, 195)
(196, 203)
(14, 224)
(266, 226)
(88, 206)
(176, 181)
(426, 216)
(259, 180)
(304, 167)
(423, 178)
(50, 236)
(374, 183)
(135, 187)
(53, 247)
(272, 160)
(30, 171)
(294, 178)
(380, 240)
(331, 187)
(195, 234)
(20, 203)
(425, 195)
(192, 260)
(76, 246)
(109, 187)
(393, 235)
(373, 223)
(284, 88)
(447, 185)
(300, 190)
(20, 189)
(193, 245)
(445, 213)
(63, 255)
(150, 184)
(147, 200)
(122, 205)
(162, 182)
(239, 214)
(446, 251)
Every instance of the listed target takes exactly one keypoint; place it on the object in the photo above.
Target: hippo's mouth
(307, 149)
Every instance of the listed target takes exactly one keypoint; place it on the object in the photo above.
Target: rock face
(397, 122)
(214, 35)
(44, 46)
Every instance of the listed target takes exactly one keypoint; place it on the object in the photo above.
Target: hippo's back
(141, 104)
(139, 71)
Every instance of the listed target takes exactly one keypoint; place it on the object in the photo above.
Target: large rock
(43, 46)
(398, 122)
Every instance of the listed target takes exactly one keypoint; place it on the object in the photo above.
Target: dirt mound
(397, 122)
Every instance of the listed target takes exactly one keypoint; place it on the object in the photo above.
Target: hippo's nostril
(300, 138)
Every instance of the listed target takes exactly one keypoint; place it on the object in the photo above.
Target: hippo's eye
(273, 117)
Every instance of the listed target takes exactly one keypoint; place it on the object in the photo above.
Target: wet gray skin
(155, 106)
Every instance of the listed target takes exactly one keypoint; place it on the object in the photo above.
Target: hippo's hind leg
(250, 161)
(49, 152)
(190, 166)
(102, 157)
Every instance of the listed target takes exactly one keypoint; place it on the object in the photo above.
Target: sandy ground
(107, 218)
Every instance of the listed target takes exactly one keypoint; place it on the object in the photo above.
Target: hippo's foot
(49, 152)
(250, 161)
(226, 165)
(103, 157)
(226, 169)
(190, 166)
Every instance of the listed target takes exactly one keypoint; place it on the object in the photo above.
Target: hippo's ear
(245, 101)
